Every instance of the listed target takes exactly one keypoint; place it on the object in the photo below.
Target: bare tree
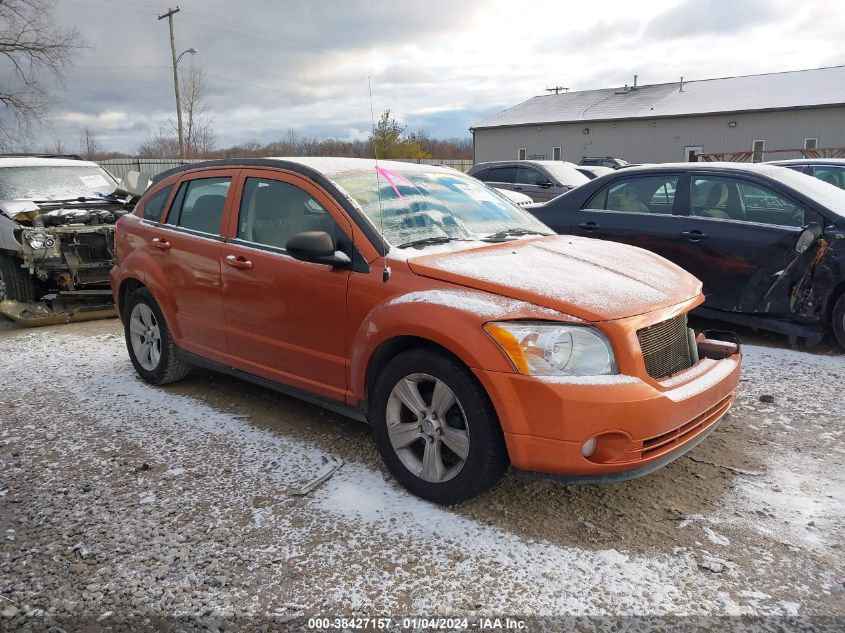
(160, 144)
(57, 146)
(35, 47)
(199, 133)
(89, 145)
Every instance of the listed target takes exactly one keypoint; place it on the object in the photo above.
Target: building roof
(800, 88)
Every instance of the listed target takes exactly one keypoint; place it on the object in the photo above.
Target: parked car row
(767, 243)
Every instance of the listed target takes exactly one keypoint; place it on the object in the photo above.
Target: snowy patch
(483, 304)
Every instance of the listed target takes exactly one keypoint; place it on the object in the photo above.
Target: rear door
(187, 246)
(501, 177)
(285, 318)
(635, 210)
(739, 238)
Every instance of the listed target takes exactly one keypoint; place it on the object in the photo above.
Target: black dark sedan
(768, 243)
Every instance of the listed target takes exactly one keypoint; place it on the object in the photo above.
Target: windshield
(826, 194)
(436, 205)
(54, 182)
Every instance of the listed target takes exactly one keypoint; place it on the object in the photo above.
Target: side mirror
(808, 237)
(317, 247)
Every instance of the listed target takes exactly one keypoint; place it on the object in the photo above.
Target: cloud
(707, 18)
(439, 66)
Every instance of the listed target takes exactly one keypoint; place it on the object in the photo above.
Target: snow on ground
(185, 508)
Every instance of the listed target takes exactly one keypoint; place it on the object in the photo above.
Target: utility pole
(169, 16)
(557, 89)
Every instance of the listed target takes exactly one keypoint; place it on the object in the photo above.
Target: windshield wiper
(501, 236)
(104, 198)
(424, 241)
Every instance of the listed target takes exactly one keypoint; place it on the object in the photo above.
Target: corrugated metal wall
(664, 140)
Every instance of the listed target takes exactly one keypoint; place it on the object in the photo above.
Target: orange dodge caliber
(419, 300)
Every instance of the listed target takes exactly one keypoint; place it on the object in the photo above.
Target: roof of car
(325, 165)
(38, 161)
(529, 161)
(800, 88)
(808, 161)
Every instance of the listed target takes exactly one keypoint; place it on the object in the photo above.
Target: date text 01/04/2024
(417, 623)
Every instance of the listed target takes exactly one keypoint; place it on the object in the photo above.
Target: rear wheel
(148, 339)
(436, 428)
(16, 283)
(839, 321)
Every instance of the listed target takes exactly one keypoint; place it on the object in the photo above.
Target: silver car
(541, 180)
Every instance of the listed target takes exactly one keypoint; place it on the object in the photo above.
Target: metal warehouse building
(675, 121)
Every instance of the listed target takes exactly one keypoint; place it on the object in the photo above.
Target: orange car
(418, 299)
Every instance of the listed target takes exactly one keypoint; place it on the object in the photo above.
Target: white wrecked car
(57, 219)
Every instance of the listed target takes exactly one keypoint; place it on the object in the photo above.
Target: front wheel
(148, 340)
(436, 429)
(16, 283)
(839, 321)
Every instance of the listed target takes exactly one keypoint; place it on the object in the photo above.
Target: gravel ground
(124, 506)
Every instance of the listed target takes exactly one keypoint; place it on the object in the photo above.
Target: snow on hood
(591, 279)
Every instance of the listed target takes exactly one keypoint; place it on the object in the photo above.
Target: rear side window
(199, 204)
(831, 174)
(154, 206)
(272, 212)
(649, 194)
(501, 174)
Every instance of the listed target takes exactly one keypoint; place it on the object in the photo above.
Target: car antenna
(385, 274)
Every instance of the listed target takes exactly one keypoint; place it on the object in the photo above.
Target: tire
(465, 438)
(839, 321)
(148, 340)
(15, 282)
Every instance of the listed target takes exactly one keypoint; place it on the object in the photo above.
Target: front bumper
(640, 424)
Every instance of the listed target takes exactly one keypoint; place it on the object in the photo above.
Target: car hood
(591, 279)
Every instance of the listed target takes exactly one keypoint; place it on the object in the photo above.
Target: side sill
(356, 413)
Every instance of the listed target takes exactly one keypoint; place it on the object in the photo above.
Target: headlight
(38, 241)
(553, 349)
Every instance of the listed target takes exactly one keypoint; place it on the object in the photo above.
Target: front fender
(451, 317)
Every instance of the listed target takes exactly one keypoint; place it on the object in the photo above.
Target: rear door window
(501, 174)
(199, 204)
(644, 194)
(154, 206)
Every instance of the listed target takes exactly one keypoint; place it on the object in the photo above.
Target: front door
(533, 183)
(740, 241)
(285, 318)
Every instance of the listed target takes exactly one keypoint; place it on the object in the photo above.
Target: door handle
(237, 261)
(694, 236)
(518, 188)
(589, 226)
(161, 244)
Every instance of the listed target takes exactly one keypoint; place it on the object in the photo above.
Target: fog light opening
(588, 447)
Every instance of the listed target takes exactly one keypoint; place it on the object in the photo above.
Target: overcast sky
(439, 65)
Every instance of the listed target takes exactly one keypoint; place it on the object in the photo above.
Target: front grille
(665, 347)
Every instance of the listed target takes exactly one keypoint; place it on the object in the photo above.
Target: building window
(811, 143)
(520, 155)
(757, 149)
(555, 153)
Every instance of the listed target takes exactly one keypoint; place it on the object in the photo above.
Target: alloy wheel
(427, 428)
(145, 335)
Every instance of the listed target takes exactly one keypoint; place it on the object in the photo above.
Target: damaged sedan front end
(57, 243)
